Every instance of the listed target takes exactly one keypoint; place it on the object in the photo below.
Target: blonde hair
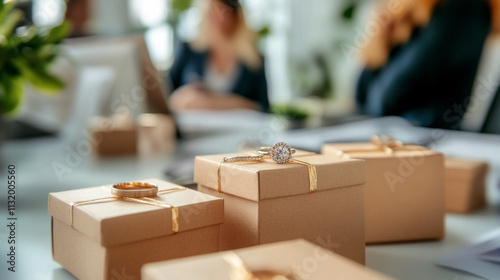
(244, 40)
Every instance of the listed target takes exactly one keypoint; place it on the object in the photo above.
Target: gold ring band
(242, 158)
(134, 189)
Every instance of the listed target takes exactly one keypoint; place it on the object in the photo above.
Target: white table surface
(36, 178)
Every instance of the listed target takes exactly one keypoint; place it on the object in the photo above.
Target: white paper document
(481, 259)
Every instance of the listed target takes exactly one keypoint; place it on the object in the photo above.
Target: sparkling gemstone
(281, 152)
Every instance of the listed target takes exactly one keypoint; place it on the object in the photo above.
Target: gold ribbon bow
(386, 143)
(241, 272)
(383, 143)
(144, 200)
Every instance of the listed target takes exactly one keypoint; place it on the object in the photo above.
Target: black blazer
(429, 79)
(189, 67)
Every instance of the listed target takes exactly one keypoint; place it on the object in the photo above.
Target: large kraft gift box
(404, 193)
(465, 184)
(266, 202)
(296, 259)
(108, 239)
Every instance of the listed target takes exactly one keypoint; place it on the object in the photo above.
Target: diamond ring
(280, 152)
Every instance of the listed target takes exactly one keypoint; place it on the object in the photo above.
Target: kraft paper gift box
(404, 193)
(266, 202)
(296, 259)
(157, 134)
(112, 238)
(113, 136)
(465, 185)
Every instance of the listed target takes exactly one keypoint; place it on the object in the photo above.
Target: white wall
(301, 29)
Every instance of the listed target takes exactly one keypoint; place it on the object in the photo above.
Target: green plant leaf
(5, 9)
(39, 77)
(180, 6)
(57, 33)
(349, 11)
(31, 31)
(10, 70)
(11, 94)
(264, 32)
(34, 42)
(46, 51)
(289, 111)
(10, 23)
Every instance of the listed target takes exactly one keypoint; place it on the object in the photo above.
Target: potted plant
(26, 53)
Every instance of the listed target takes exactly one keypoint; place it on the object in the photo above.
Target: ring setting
(280, 153)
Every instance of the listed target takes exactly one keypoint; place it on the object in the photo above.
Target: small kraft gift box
(97, 235)
(404, 193)
(288, 260)
(157, 134)
(320, 199)
(116, 136)
(465, 185)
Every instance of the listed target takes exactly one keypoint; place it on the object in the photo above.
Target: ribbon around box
(311, 169)
(383, 143)
(138, 192)
(239, 271)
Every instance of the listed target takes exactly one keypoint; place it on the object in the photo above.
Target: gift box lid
(369, 150)
(461, 169)
(113, 222)
(305, 260)
(266, 179)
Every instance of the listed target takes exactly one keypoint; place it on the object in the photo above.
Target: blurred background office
(423, 62)
(314, 63)
(221, 68)
(134, 89)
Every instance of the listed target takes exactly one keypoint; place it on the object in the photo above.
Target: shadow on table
(61, 273)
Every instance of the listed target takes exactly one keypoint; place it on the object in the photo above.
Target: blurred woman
(221, 69)
(423, 62)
